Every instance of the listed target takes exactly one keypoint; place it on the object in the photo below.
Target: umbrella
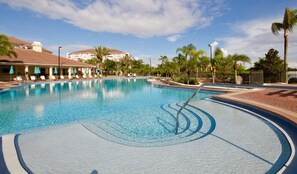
(11, 71)
(85, 71)
(56, 71)
(96, 70)
(36, 70)
(74, 71)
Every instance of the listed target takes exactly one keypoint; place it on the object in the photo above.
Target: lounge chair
(76, 76)
(19, 78)
(62, 77)
(53, 77)
(134, 75)
(33, 78)
(42, 77)
(84, 76)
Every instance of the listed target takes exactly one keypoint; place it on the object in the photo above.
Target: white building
(114, 55)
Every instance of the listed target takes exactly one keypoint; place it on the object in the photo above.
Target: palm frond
(276, 27)
(290, 19)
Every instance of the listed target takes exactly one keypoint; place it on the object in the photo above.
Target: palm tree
(179, 60)
(6, 48)
(126, 62)
(289, 21)
(163, 59)
(101, 52)
(239, 58)
(218, 54)
(187, 50)
(197, 54)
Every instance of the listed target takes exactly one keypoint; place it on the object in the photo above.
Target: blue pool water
(132, 105)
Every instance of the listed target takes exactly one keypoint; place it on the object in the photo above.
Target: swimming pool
(38, 106)
(133, 113)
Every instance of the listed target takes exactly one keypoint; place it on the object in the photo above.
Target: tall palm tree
(187, 50)
(289, 21)
(179, 60)
(163, 59)
(197, 54)
(218, 54)
(126, 62)
(101, 52)
(239, 58)
(6, 48)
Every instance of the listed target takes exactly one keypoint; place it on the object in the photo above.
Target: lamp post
(59, 58)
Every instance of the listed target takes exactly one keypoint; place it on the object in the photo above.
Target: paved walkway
(279, 101)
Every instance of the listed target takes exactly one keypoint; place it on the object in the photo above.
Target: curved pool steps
(11, 163)
(194, 123)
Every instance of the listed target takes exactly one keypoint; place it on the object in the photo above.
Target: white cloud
(173, 38)
(255, 39)
(142, 18)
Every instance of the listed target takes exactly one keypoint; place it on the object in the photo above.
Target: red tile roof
(20, 43)
(30, 57)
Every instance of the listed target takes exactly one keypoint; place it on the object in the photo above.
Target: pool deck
(282, 102)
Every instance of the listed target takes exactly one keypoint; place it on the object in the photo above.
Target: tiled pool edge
(287, 125)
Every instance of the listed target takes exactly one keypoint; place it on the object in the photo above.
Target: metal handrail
(184, 105)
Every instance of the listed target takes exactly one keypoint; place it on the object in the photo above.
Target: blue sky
(150, 28)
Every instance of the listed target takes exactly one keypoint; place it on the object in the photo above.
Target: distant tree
(197, 54)
(187, 50)
(101, 52)
(93, 61)
(239, 58)
(126, 63)
(204, 63)
(271, 65)
(180, 61)
(163, 59)
(289, 21)
(215, 63)
(6, 48)
(110, 65)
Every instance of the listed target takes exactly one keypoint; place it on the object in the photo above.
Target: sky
(148, 29)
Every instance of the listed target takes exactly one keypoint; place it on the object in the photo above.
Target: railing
(184, 105)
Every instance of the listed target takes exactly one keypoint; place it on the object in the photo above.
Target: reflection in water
(39, 111)
(40, 105)
(27, 91)
(51, 85)
(69, 86)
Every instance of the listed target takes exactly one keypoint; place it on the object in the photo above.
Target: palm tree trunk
(286, 33)
(197, 70)
(101, 69)
(235, 73)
